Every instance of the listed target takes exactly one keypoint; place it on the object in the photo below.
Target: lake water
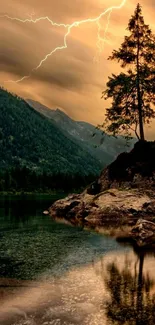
(52, 273)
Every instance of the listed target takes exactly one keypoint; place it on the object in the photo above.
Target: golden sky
(71, 79)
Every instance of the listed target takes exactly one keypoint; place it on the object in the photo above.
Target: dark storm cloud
(69, 79)
(69, 71)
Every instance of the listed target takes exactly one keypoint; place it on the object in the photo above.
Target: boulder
(46, 212)
(143, 233)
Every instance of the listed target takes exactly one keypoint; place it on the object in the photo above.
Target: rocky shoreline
(114, 206)
(124, 193)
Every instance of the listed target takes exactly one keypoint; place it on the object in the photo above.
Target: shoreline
(63, 194)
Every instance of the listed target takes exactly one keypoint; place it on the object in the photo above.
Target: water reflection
(18, 211)
(32, 244)
(132, 298)
(115, 289)
(54, 274)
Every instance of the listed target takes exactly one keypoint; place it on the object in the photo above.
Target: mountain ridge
(104, 148)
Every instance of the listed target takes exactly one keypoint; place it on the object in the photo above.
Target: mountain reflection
(132, 300)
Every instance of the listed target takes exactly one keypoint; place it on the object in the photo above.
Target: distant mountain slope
(27, 138)
(103, 147)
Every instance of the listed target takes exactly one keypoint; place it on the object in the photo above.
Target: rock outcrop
(124, 192)
(143, 233)
(112, 207)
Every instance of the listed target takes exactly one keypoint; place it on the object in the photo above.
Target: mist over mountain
(101, 146)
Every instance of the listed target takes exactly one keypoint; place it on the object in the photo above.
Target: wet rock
(143, 232)
(46, 212)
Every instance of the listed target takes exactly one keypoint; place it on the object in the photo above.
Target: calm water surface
(51, 273)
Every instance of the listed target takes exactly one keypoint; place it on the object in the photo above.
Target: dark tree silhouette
(131, 301)
(132, 92)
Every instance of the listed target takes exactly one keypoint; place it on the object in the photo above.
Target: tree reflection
(131, 300)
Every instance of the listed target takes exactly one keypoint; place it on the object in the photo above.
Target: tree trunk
(141, 129)
(139, 99)
(140, 291)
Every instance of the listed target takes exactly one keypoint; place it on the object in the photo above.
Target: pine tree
(132, 92)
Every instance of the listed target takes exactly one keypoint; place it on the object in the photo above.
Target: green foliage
(133, 92)
(22, 179)
(29, 140)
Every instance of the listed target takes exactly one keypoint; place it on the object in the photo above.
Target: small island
(123, 194)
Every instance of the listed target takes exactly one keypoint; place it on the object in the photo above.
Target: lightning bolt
(100, 41)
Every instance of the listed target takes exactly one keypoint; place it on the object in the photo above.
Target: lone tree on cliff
(132, 92)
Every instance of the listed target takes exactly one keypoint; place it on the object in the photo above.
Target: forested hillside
(30, 140)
